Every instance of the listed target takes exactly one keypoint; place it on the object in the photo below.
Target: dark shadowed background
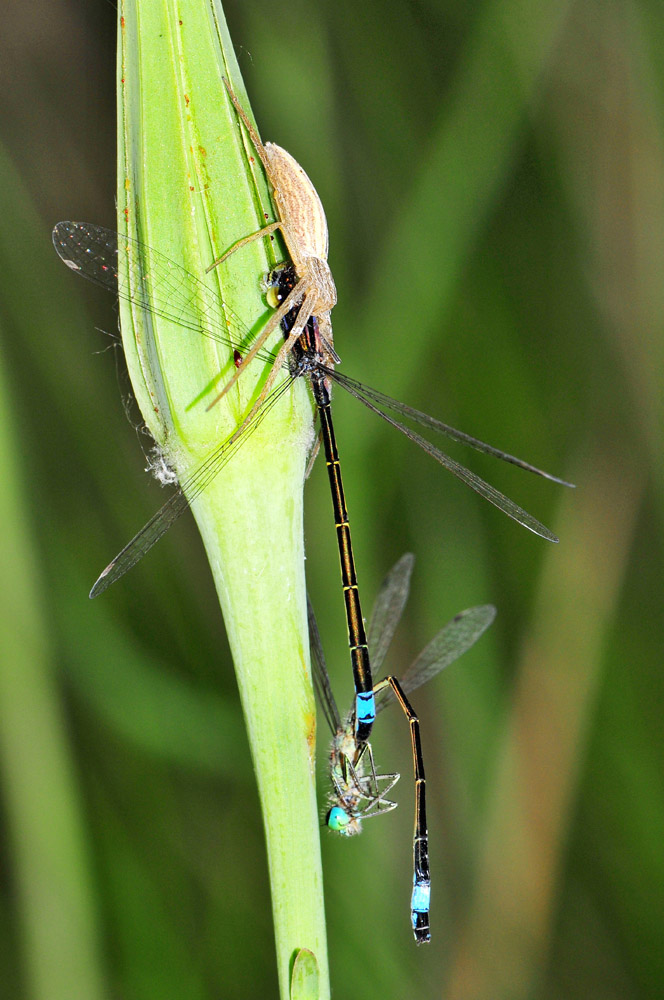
(493, 178)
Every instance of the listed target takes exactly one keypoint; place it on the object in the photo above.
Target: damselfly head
(343, 822)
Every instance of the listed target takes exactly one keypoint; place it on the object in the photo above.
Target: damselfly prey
(359, 791)
(117, 263)
(303, 294)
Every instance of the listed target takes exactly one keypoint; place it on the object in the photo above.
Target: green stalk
(189, 186)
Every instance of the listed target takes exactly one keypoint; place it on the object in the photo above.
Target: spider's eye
(273, 296)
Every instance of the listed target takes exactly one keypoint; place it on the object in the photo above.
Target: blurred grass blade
(127, 688)
(57, 919)
(504, 946)
(470, 154)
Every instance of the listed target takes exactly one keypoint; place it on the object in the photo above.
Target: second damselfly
(359, 790)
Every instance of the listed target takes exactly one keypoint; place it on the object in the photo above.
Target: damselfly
(303, 294)
(359, 791)
(117, 263)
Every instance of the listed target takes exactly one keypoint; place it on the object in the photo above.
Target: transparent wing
(149, 279)
(184, 496)
(321, 678)
(388, 609)
(157, 284)
(452, 641)
(357, 388)
(481, 487)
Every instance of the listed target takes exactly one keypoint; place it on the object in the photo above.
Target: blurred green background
(493, 176)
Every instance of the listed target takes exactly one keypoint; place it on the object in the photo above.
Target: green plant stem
(187, 186)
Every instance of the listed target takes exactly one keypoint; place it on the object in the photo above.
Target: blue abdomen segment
(420, 901)
(365, 714)
(365, 707)
(419, 906)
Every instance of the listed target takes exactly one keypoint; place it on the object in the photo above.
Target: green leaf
(305, 980)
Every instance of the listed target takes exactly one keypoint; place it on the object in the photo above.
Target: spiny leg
(260, 149)
(303, 316)
(292, 300)
(287, 346)
(367, 785)
(265, 231)
(253, 134)
(379, 801)
(327, 340)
